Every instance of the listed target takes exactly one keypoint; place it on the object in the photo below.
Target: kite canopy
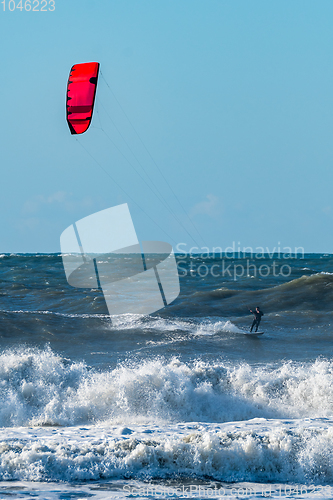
(81, 90)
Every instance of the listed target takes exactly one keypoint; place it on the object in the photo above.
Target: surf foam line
(259, 450)
(195, 326)
(52, 313)
(38, 387)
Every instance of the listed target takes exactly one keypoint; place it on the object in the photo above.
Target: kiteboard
(253, 333)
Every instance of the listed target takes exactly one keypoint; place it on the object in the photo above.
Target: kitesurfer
(257, 318)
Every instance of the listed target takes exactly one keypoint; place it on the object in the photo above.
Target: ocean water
(179, 404)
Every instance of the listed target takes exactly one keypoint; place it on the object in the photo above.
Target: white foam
(39, 387)
(257, 450)
(52, 313)
(206, 326)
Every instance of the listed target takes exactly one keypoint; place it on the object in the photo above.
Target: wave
(35, 282)
(36, 320)
(52, 313)
(39, 387)
(311, 293)
(259, 451)
(192, 326)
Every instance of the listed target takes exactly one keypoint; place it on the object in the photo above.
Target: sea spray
(38, 387)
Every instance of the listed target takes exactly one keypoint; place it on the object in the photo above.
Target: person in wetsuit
(257, 318)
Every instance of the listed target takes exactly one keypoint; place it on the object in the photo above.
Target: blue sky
(233, 100)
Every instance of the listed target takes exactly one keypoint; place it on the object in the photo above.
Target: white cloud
(61, 199)
(211, 206)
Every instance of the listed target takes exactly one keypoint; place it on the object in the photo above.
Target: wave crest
(40, 388)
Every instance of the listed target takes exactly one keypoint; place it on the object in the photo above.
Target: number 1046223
(28, 5)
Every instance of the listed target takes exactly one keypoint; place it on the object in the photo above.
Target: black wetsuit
(257, 319)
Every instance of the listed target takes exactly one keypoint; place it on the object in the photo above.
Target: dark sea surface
(99, 407)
